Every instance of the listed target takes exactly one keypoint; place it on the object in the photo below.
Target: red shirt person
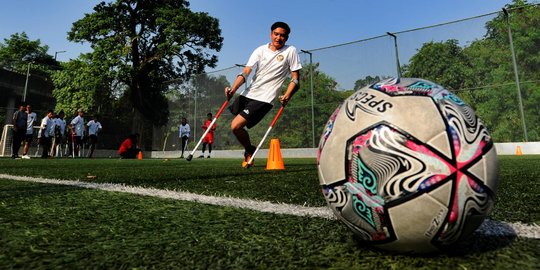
(128, 148)
(209, 138)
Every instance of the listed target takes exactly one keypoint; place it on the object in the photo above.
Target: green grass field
(47, 226)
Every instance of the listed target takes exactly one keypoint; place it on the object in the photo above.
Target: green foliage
(18, 51)
(485, 66)
(145, 43)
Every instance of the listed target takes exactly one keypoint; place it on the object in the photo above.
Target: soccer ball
(407, 166)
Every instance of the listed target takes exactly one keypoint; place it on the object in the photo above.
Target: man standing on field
(31, 118)
(77, 131)
(272, 62)
(19, 121)
(209, 138)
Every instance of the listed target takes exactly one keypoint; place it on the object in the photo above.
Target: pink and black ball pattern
(387, 166)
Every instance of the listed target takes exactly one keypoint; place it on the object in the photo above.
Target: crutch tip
(189, 157)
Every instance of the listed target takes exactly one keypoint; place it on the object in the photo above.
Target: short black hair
(281, 25)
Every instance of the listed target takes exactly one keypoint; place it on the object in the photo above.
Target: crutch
(278, 114)
(208, 129)
(73, 144)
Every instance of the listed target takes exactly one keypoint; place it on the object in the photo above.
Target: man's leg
(238, 128)
(241, 134)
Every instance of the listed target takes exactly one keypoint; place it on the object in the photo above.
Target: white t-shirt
(184, 130)
(78, 123)
(62, 124)
(47, 127)
(271, 70)
(31, 118)
(93, 127)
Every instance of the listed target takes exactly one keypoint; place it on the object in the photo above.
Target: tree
(147, 42)
(441, 62)
(18, 51)
(81, 84)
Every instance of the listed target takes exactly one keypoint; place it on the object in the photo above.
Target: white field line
(489, 227)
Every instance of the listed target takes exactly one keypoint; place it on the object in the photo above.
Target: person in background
(77, 131)
(46, 133)
(184, 131)
(94, 127)
(29, 137)
(209, 138)
(19, 121)
(61, 134)
(128, 148)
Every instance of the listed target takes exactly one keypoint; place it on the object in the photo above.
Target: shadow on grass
(490, 236)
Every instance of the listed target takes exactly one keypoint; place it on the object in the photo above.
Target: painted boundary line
(489, 227)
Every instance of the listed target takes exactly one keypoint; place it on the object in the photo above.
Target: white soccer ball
(408, 166)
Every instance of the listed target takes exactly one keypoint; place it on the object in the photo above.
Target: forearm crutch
(278, 114)
(208, 129)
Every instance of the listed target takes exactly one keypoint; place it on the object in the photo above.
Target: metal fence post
(397, 54)
(312, 102)
(514, 62)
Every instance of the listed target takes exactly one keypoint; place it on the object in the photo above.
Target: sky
(246, 24)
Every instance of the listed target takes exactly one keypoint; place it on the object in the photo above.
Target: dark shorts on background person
(78, 140)
(28, 138)
(92, 139)
(252, 110)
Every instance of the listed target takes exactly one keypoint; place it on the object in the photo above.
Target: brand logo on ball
(280, 57)
(368, 103)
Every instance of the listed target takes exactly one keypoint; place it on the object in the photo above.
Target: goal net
(6, 141)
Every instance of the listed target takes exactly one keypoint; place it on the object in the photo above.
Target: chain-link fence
(490, 87)
(490, 60)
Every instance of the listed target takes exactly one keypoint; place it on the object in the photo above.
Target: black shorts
(252, 110)
(92, 139)
(28, 138)
(78, 140)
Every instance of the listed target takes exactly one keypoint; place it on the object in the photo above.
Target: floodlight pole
(516, 75)
(56, 53)
(397, 55)
(312, 99)
(26, 83)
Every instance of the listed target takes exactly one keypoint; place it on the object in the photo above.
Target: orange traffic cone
(275, 162)
(518, 151)
(139, 156)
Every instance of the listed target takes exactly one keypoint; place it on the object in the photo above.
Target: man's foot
(208, 156)
(182, 156)
(247, 157)
(201, 156)
(26, 157)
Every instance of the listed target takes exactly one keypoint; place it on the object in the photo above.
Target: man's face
(21, 108)
(278, 37)
(28, 108)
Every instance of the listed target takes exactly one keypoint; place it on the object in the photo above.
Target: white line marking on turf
(489, 227)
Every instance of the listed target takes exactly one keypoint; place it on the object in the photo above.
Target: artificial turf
(50, 226)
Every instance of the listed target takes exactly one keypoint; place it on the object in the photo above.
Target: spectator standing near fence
(184, 131)
(29, 137)
(19, 122)
(209, 138)
(61, 134)
(94, 127)
(46, 133)
(77, 131)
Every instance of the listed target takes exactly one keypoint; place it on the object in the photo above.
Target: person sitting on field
(128, 148)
